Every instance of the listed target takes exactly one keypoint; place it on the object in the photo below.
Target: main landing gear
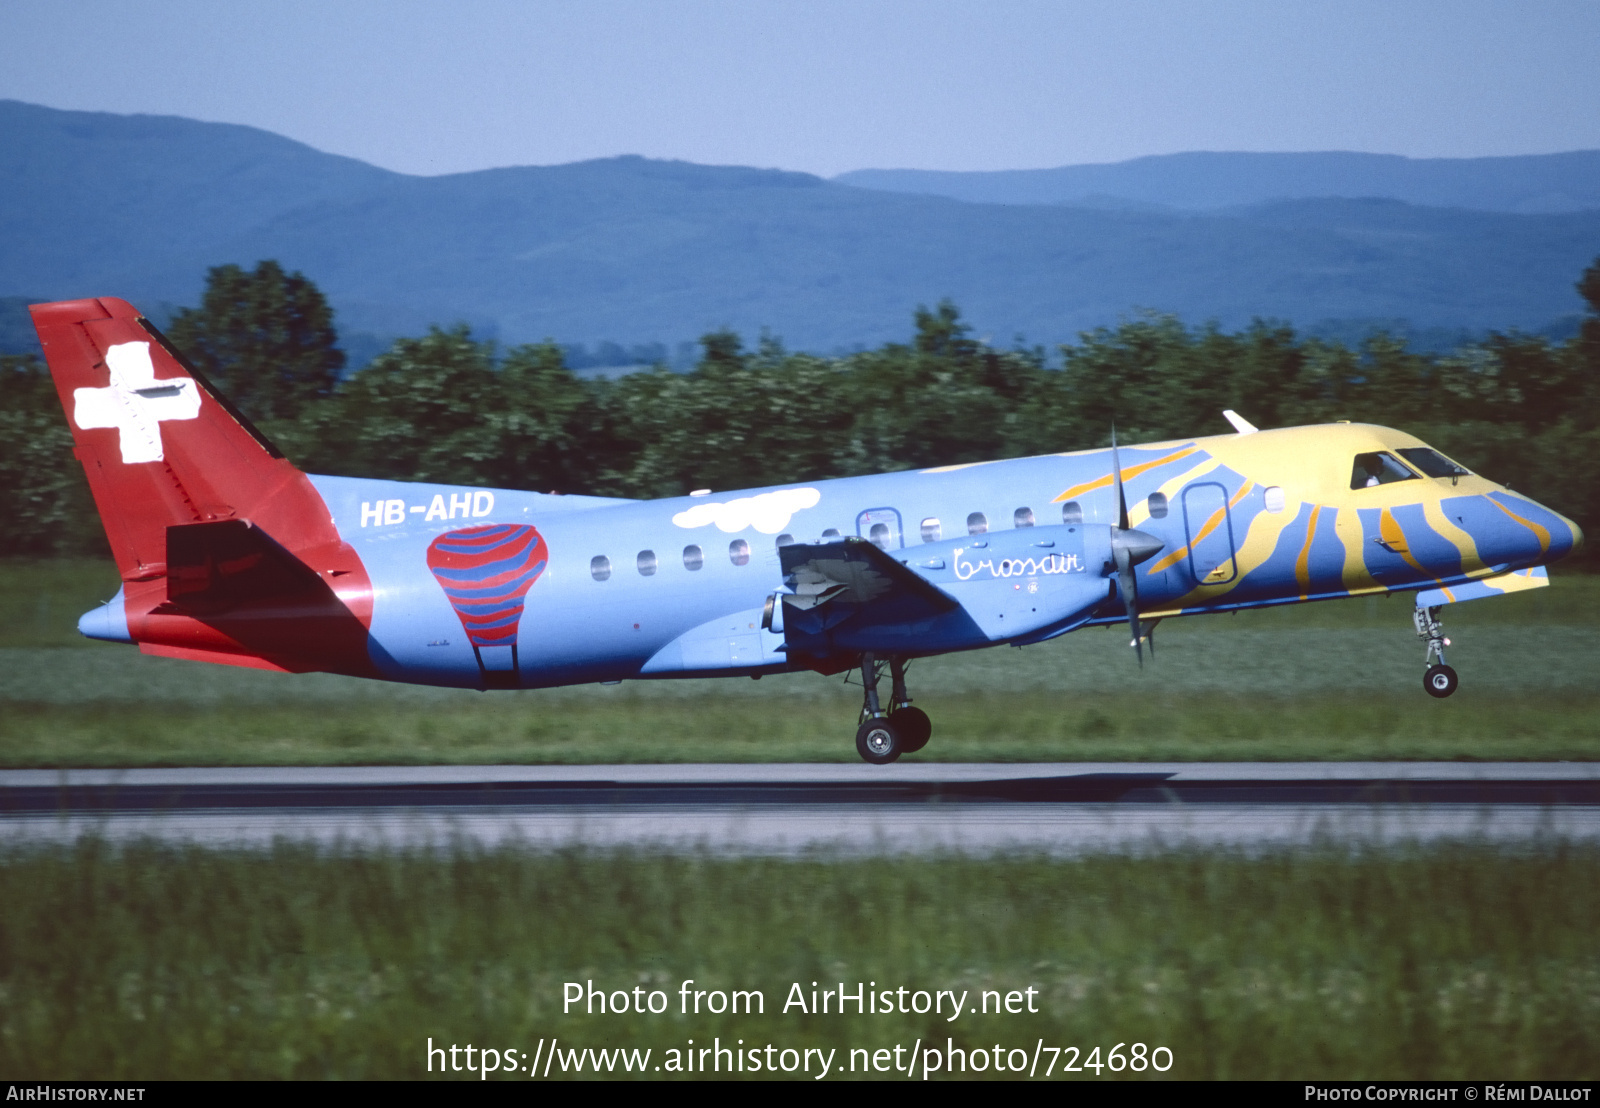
(1440, 680)
(903, 729)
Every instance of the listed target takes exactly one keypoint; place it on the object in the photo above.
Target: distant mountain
(635, 251)
(1532, 184)
(86, 191)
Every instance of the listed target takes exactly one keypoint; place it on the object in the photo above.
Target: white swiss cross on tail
(135, 403)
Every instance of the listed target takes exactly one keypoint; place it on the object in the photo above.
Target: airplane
(230, 554)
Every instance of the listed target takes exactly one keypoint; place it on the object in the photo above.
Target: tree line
(447, 407)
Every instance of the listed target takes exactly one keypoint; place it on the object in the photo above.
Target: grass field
(152, 962)
(1339, 680)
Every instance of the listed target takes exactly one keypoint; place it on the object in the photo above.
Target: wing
(849, 596)
(854, 572)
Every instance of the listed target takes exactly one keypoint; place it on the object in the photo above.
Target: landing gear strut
(1440, 680)
(884, 736)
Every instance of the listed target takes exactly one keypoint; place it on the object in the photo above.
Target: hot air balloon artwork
(486, 572)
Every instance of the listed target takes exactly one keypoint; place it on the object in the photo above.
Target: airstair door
(1208, 525)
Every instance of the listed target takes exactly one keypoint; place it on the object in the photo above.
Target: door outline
(891, 516)
(1191, 526)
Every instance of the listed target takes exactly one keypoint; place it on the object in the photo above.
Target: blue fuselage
(681, 587)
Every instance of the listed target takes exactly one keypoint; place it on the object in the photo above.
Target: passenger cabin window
(1378, 468)
(785, 540)
(1071, 512)
(1273, 499)
(1433, 463)
(647, 563)
(930, 530)
(693, 558)
(739, 552)
(830, 534)
(878, 535)
(600, 567)
(1022, 517)
(1157, 503)
(977, 523)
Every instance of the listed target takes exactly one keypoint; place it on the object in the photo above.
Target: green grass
(1337, 680)
(147, 962)
(40, 601)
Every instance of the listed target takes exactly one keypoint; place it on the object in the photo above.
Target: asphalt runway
(788, 809)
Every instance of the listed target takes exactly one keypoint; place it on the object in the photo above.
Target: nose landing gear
(1440, 680)
(883, 737)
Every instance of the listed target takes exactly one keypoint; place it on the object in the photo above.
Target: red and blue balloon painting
(486, 572)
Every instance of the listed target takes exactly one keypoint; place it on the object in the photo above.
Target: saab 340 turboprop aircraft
(230, 554)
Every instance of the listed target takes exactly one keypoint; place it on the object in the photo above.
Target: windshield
(1378, 468)
(1433, 463)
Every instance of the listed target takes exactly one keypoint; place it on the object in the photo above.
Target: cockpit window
(1378, 469)
(1433, 463)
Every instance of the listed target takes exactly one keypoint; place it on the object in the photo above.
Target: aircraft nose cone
(1139, 545)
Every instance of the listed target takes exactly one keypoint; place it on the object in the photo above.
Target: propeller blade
(1116, 473)
(1128, 585)
(1129, 548)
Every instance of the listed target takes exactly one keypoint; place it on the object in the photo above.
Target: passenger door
(1208, 527)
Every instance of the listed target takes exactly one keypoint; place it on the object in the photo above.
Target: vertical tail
(225, 549)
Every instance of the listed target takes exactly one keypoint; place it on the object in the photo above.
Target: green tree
(945, 399)
(419, 412)
(1151, 378)
(1586, 349)
(1536, 385)
(1589, 335)
(547, 425)
(44, 498)
(737, 420)
(265, 337)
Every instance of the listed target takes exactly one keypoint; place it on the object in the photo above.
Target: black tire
(914, 726)
(1440, 681)
(878, 741)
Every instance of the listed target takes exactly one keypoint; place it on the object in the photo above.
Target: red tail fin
(159, 445)
(164, 450)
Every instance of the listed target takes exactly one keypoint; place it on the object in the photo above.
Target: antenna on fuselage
(1240, 423)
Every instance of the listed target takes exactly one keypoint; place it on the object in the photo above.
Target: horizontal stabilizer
(215, 567)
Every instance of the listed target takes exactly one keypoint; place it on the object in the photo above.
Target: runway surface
(1060, 808)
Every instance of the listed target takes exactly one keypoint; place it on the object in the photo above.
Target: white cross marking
(135, 403)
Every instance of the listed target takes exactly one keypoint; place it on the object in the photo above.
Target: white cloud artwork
(768, 512)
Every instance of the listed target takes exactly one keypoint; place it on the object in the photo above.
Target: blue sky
(829, 86)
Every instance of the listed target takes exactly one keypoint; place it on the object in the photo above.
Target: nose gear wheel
(1440, 680)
